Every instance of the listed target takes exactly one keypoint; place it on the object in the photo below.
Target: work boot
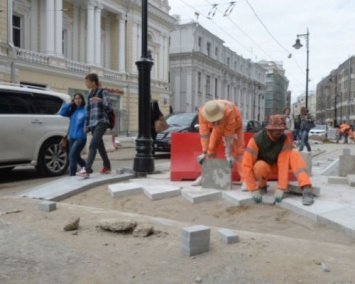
(197, 182)
(263, 190)
(257, 196)
(307, 196)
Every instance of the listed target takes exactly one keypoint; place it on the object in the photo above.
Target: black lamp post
(298, 45)
(144, 161)
(262, 97)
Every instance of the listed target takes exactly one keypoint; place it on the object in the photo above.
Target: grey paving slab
(161, 191)
(68, 186)
(228, 236)
(337, 180)
(164, 176)
(47, 206)
(331, 169)
(196, 195)
(350, 180)
(237, 197)
(312, 212)
(341, 219)
(216, 174)
(124, 189)
(346, 165)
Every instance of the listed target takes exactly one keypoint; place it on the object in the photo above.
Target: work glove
(257, 196)
(230, 161)
(201, 158)
(278, 195)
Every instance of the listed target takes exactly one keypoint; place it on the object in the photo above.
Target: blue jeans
(97, 143)
(341, 135)
(304, 140)
(296, 135)
(75, 148)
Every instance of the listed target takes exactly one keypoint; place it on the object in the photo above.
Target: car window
(46, 104)
(16, 103)
(181, 119)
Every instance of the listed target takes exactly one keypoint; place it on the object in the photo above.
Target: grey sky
(331, 25)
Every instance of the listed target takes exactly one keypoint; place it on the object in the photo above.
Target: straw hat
(213, 111)
(277, 121)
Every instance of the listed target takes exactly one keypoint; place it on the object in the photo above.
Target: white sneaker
(197, 182)
(83, 170)
(244, 187)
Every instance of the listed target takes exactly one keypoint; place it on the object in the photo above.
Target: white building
(202, 68)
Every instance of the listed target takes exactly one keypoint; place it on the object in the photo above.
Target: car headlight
(168, 135)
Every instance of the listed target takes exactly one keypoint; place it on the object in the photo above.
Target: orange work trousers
(263, 171)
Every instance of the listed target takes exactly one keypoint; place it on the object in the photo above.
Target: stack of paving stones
(195, 240)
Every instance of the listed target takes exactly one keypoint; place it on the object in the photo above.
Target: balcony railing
(32, 56)
(77, 66)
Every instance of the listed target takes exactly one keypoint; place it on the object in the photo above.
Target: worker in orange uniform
(268, 153)
(220, 120)
(344, 131)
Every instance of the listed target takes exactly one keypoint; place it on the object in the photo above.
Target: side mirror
(197, 127)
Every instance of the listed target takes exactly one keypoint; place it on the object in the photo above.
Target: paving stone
(237, 197)
(216, 174)
(350, 180)
(161, 191)
(195, 239)
(340, 220)
(331, 169)
(196, 195)
(191, 251)
(124, 189)
(312, 212)
(346, 152)
(346, 165)
(228, 236)
(47, 206)
(338, 180)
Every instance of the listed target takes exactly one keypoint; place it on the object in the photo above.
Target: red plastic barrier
(185, 147)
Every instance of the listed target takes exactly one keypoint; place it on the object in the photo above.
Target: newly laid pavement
(335, 207)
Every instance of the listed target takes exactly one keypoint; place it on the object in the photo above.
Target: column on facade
(177, 97)
(135, 47)
(58, 32)
(50, 27)
(90, 34)
(121, 43)
(189, 86)
(34, 26)
(161, 58)
(107, 52)
(76, 31)
(83, 47)
(97, 40)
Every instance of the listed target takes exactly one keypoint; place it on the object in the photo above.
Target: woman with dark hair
(76, 111)
(155, 113)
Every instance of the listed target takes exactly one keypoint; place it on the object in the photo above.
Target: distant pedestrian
(307, 123)
(344, 131)
(76, 111)
(96, 122)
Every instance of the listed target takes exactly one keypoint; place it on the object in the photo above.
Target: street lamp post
(144, 161)
(298, 45)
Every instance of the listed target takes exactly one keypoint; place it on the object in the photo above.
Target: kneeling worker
(268, 153)
(220, 120)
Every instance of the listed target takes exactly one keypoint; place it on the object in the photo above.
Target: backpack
(110, 113)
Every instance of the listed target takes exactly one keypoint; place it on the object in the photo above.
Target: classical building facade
(336, 95)
(202, 68)
(55, 43)
(276, 95)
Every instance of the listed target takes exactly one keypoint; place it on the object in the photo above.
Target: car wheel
(52, 161)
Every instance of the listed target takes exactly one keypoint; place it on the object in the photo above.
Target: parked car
(188, 122)
(32, 129)
(319, 130)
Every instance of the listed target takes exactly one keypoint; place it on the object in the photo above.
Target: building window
(208, 85)
(199, 82)
(17, 31)
(235, 65)
(216, 52)
(208, 49)
(228, 61)
(65, 43)
(216, 88)
(199, 42)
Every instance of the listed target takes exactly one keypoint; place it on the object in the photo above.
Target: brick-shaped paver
(216, 174)
(124, 189)
(350, 180)
(312, 212)
(161, 191)
(197, 195)
(47, 206)
(228, 236)
(338, 180)
(237, 197)
(195, 239)
(341, 219)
